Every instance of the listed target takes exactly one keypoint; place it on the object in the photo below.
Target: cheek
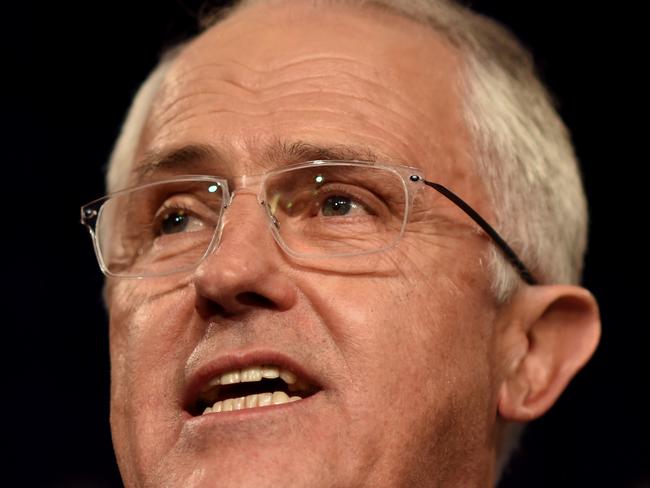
(148, 316)
(419, 369)
(416, 342)
(151, 329)
(147, 350)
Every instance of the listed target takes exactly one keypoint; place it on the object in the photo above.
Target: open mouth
(251, 387)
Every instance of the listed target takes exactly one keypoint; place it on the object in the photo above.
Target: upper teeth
(251, 374)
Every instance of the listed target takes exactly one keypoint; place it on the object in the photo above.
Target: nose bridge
(244, 224)
(244, 185)
(244, 213)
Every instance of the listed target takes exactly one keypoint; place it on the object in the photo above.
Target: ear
(549, 333)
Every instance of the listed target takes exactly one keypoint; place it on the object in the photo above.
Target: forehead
(293, 73)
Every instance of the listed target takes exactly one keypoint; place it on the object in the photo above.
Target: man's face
(400, 356)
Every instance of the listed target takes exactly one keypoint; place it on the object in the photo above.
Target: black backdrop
(69, 73)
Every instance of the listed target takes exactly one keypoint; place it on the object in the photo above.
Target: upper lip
(238, 360)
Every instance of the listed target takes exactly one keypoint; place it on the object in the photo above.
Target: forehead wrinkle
(266, 156)
(268, 92)
(343, 99)
(254, 110)
(184, 68)
(248, 78)
(332, 62)
(260, 85)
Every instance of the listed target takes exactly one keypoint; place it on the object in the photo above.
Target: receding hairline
(210, 17)
(387, 10)
(418, 11)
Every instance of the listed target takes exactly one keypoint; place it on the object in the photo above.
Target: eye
(175, 222)
(339, 205)
(181, 216)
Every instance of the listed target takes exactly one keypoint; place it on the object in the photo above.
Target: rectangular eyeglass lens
(159, 228)
(339, 209)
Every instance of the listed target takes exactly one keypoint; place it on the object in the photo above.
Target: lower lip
(248, 414)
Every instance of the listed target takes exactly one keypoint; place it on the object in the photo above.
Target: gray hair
(521, 147)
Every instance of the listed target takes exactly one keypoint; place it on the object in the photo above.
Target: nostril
(208, 309)
(253, 299)
(241, 302)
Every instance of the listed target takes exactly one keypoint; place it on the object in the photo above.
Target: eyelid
(196, 206)
(354, 193)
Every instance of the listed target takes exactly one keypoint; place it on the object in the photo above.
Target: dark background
(69, 73)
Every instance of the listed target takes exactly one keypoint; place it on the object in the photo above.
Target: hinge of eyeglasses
(89, 213)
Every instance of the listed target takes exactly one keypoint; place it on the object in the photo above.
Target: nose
(247, 270)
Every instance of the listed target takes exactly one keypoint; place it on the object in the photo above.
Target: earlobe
(553, 331)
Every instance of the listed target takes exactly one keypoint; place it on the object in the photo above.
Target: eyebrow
(196, 156)
(300, 151)
(185, 157)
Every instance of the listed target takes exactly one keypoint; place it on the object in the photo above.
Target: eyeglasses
(320, 211)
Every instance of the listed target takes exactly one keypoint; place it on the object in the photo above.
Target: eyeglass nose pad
(226, 207)
(274, 220)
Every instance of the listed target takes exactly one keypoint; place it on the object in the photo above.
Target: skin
(420, 380)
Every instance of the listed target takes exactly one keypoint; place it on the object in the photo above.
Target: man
(304, 287)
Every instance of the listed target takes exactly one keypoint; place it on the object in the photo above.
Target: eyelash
(361, 200)
(164, 211)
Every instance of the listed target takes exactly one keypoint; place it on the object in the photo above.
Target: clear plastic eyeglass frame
(410, 180)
